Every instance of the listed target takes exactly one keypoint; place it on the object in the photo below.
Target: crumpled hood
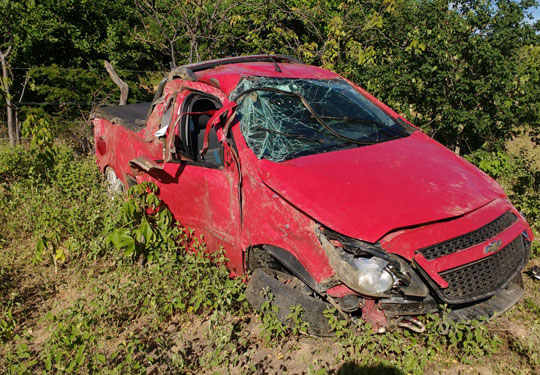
(368, 191)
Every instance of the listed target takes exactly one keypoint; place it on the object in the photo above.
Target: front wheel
(280, 289)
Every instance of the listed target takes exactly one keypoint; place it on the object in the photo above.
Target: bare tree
(196, 22)
(9, 13)
(124, 88)
(6, 90)
(160, 27)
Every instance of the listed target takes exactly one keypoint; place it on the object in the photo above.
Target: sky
(536, 13)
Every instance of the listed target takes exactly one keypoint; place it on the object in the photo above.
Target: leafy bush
(15, 164)
(148, 232)
(147, 226)
(61, 204)
(273, 330)
(520, 179)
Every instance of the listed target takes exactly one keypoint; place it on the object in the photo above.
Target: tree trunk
(17, 128)
(124, 88)
(190, 51)
(12, 130)
(173, 59)
(17, 122)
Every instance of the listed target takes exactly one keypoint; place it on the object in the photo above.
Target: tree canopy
(467, 72)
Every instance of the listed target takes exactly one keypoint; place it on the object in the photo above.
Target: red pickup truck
(323, 193)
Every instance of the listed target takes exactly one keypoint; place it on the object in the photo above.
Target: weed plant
(412, 352)
(135, 292)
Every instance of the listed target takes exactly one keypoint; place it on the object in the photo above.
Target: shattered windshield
(285, 118)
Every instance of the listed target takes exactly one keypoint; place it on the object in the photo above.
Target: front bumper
(476, 274)
(491, 307)
(503, 300)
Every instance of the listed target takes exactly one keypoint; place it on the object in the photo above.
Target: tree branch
(124, 88)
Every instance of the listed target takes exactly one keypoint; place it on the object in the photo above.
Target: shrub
(63, 206)
(15, 164)
(519, 178)
(198, 278)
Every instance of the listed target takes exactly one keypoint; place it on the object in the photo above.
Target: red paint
(406, 242)
(213, 121)
(406, 194)
(366, 192)
(340, 291)
(372, 313)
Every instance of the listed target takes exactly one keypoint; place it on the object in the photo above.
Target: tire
(115, 186)
(260, 258)
(265, 280)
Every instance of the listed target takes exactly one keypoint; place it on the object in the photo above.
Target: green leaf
(41, 246)
(122, 239)
(48, 364)
(146, 232)
(60, 255)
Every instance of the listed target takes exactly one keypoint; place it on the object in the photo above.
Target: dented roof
(230, 72)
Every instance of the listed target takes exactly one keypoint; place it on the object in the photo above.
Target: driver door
(201, 190)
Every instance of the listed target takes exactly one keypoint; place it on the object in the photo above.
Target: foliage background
(467, 72)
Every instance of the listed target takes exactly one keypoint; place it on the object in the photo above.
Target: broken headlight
(372, 275)
(370, 270)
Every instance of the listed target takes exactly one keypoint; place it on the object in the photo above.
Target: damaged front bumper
(279, 289)
(491, 307)
(404, 293)
(493, 284)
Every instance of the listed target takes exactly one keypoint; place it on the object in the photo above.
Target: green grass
(95, 285)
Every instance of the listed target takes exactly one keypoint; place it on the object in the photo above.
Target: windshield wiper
(378, 124)
(291, 135)
(308, 107)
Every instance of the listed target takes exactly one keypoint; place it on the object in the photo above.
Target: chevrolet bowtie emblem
(493, 247)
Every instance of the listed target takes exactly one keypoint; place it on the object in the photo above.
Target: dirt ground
(43, 293)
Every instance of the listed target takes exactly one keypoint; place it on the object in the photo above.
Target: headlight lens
(372, 275)
(367, 276)
(363, 270)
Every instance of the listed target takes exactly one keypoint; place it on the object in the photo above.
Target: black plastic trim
(293, 265)
(197, 67)
(460, 301)
(455, 244)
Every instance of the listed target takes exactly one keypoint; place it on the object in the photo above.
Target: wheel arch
(284, 258)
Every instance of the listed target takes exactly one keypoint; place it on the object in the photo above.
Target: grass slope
(70, 303)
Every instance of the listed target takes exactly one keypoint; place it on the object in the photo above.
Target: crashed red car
(324, 193)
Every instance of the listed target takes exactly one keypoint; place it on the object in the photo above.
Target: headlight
(368, 270)
(372, 275)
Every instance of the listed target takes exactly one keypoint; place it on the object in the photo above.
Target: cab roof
(228, 76)
(229, 71)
